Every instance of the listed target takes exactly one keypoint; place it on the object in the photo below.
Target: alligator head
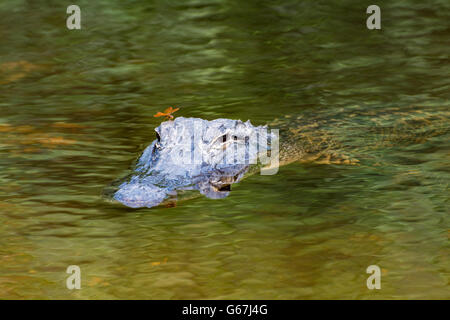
(193, 154)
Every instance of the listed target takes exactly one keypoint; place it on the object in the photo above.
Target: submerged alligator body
(192, 154)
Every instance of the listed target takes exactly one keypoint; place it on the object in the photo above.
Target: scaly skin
(340, 136)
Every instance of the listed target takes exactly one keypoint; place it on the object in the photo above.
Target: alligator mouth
(226, 187)
(167, 169)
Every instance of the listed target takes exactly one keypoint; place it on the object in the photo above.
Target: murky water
(76, 108)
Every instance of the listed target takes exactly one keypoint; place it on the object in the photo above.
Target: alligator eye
(224, 138)
(158, 137)
(235, 138)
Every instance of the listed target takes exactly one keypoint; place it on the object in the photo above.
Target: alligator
(189, 155)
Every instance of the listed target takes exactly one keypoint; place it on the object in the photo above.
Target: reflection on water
(76, 109)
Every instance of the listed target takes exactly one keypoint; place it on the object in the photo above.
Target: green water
(76, 108)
